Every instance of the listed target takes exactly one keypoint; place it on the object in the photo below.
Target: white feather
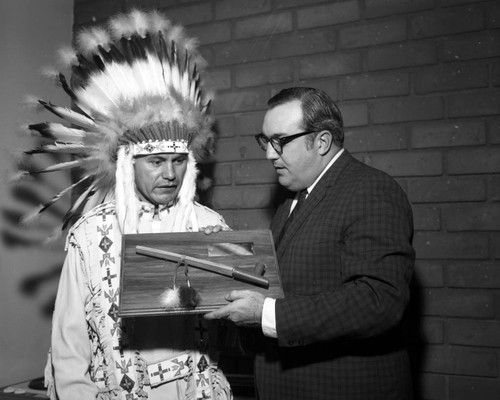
(73, 148)
(167, 75)
(156, 82)
(176, 78)
(184, 85)
(71, 116)
(99, 93)
(122, 82)
(60, 166)
(92, 201)
(66, 134)
(36, 213)
(192, 92)
(141, 77)
(83, 197)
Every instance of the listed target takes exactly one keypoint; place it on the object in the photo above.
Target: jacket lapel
(313, 200)
(280, 217)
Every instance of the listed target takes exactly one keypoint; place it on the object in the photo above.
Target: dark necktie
(293, 214)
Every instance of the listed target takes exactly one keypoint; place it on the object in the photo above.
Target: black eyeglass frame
(263, 140)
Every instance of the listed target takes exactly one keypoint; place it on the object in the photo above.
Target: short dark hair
(320, 113)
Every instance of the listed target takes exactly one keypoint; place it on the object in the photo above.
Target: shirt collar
(310, 188)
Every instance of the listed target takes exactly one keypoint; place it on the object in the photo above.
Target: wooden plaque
(144, 278)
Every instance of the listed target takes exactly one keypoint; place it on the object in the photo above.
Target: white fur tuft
(191, 44)
(89, 39)
(31, 103)
(128, 24)
(67, 56)
(30, 217)
(177, 35)
(19, 176)
(139, 22)
(25, 130)
(170, 298)
(55, 235)
(52, 74)
(158, 22)
(205, 183)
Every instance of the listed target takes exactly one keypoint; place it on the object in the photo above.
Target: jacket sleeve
(71, 351)
(374, 259)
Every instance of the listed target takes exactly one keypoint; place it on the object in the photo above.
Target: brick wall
(417, 83)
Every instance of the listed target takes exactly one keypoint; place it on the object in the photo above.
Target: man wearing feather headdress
(139, 125)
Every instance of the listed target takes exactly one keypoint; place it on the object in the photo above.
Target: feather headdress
(135, 89)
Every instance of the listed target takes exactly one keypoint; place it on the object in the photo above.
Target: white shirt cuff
(269, 318)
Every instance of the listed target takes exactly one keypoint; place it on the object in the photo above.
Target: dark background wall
(418, 85)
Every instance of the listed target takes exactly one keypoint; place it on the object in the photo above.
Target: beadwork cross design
(108, 276)
(161, 371)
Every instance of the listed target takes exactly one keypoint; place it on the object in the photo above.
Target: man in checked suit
(345, 258)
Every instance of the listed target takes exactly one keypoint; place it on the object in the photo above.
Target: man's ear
(325, 142)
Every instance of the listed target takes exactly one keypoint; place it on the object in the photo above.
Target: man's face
(158, 177)
(296, 166)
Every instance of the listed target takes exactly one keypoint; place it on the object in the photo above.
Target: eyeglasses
(278, 142)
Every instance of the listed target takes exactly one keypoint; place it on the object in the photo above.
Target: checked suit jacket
(346, 262)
